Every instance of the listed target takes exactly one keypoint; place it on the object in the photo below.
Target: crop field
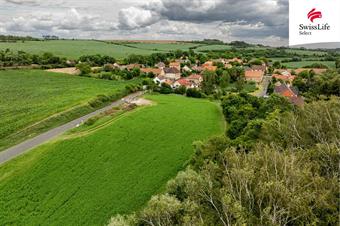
(163, 47)
(29, 96)
(306, 52)
(84, 180)
(299, 64)
(74, 49)
(212, 48)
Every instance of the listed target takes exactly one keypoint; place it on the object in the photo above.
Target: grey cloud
(69, 20)
(272, 14)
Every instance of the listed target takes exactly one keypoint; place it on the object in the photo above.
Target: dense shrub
(193, 92)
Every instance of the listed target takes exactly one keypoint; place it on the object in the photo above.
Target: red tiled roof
(195, 77)
(184, 82)
(284, 77)
(155, 71)
(254, 74)
(210, 68)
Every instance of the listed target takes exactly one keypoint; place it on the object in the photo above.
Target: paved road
(49, 135)
(265, 84)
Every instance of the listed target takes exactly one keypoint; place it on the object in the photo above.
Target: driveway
(25, 146)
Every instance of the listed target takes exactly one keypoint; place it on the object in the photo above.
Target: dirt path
(25, 146)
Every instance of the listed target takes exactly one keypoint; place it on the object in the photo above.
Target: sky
(254, 21)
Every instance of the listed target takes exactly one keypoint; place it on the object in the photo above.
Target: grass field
(85, 180)
(299, 64)
(74, 49)
(306, 52)
(29, 96)
(212, 48)
(163, 47)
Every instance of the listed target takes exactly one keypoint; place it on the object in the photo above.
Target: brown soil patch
(69, 70)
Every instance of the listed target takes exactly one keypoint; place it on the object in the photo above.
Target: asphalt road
(265, 84)
(27, 145)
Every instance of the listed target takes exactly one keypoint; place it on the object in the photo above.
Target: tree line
(289, 176)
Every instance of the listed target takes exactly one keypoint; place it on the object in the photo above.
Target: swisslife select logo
(314, 21)
(312, 15)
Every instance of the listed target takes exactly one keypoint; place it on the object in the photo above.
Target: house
(284, 75)
(195, 78)
(176, 65)
(162, 79)
(234, 60)
(290, 92)
(259, 68)
(160, 65)
(155, 71)
(133, 66)
(183, 82)
(209, 68)
(172, 73)
(208, 63)
(186, 68)
(252, 75)
(197, 68)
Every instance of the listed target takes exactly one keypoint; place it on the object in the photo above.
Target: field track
(49, 135)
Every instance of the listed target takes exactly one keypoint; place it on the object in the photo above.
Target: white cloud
(148, 19)
(134, 17)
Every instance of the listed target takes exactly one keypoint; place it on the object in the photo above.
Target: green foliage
(84, 68)
(20, 58)
(165, 89)
(315, 123)
(193, 92)
(180, 90)
(245, 114)
(294, 184)
(315, 86)
(97, 60)
(209, 82)
(316, 65)
(115, 167)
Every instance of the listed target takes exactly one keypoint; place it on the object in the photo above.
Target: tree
(181, 90)
(165, 88)
(84, 68)
(209, 82)
(193, 93)
(277, 64)
(225, 79)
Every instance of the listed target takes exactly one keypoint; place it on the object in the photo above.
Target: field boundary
(27, 145)
(60, 118)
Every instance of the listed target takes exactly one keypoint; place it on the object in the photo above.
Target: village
(178, 74)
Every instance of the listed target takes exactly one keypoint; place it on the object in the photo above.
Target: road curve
(27, 145)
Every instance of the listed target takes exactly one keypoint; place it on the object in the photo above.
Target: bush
(195, 93)
(181, 90)
(84, 68)
(165, 89)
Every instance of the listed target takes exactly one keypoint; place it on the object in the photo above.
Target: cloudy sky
(255, 21)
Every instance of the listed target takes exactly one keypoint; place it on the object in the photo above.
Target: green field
(212, 48)
(299, 64)
(29, 96)
(306, 52)
(85, 180)
(163, 47)
(74, 49)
